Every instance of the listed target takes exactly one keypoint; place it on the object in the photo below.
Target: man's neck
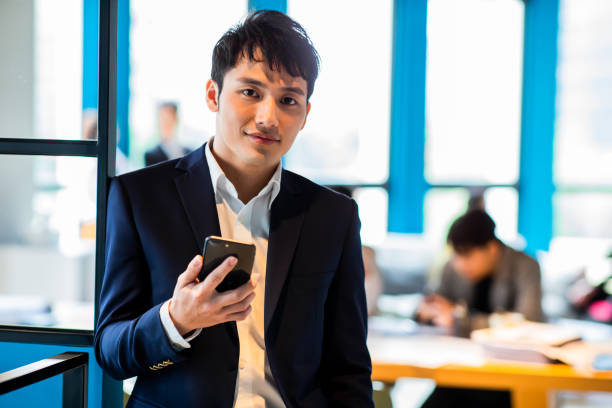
(248, 180)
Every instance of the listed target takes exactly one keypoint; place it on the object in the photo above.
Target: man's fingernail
(256, 277)
(232, 261)
(197, 261)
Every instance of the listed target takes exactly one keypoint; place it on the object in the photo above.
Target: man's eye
(249, 92)
(287, 100)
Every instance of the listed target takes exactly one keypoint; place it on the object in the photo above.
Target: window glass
(444, 205)
(47, 241)
(502, 205)
(170, 61)
(584, 94)
(346, 138)
(41, 74)
(584, 214)
(373, 205)
(473, 91)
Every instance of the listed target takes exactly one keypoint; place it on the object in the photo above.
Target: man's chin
(259, 160)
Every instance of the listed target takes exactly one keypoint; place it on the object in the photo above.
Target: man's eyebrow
(256, 82)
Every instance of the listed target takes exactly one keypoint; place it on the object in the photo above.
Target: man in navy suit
(295, 334)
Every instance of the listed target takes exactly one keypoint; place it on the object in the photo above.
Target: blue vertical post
(90, 54)
(90, 65)
(407, 184)
(536, 185)
(278, 5)
(123, 75)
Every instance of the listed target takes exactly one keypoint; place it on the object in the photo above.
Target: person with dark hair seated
(483, 276)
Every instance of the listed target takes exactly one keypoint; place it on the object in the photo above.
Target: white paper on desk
(425, 351)
(530, 334)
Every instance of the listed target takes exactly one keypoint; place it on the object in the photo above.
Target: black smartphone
(216, 250)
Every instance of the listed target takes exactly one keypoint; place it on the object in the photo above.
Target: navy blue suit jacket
(315, 311)
(158, 155)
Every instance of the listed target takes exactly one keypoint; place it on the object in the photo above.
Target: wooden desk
(531, 385)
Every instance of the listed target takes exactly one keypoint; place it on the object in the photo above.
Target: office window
(170, 60)
(473, 102)
(583, 149)
(346, 138)
(373, 203)
(41, 71)
(444, 205)
(47, 241)
(473, 92)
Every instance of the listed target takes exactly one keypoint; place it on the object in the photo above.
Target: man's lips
(262, 138)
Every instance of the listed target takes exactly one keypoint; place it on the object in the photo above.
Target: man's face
(259, 113)
(167, 122)
(476, 263)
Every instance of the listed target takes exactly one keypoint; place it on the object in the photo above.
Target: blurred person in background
(484, 275)
(168, 148)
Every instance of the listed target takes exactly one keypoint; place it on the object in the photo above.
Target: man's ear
(212, 95)
(306, 117)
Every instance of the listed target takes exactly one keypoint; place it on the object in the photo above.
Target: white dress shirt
(250, 222)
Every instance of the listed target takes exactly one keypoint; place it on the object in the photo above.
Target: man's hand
(436, 309)
(197, 304)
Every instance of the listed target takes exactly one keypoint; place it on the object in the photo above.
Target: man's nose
(266, 115)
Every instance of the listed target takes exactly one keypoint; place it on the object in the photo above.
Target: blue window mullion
(279, 5)
(407, 185)
(536, 185)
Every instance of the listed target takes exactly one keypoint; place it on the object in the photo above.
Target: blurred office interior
(420, 105)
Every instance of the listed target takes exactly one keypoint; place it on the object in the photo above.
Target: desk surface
(458, 362)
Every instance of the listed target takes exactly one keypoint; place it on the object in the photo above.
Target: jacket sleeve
(448, 287)
(346, 367)
(529, 290)
(129, 338)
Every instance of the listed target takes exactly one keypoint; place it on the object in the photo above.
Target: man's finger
(218, 274)
(239, 294)
(191, 273)
(240, 306)
(240, 316)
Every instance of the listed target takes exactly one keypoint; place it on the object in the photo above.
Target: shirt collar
(219, 180)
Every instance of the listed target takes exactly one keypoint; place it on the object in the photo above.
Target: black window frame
(104, 149)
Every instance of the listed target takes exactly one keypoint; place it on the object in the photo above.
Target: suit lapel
(286, 218)
(197, 195)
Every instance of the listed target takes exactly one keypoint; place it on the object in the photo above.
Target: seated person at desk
(484, 275)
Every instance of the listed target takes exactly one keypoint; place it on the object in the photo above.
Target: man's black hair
(283, 44)
(169, 105)
(474, 229)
